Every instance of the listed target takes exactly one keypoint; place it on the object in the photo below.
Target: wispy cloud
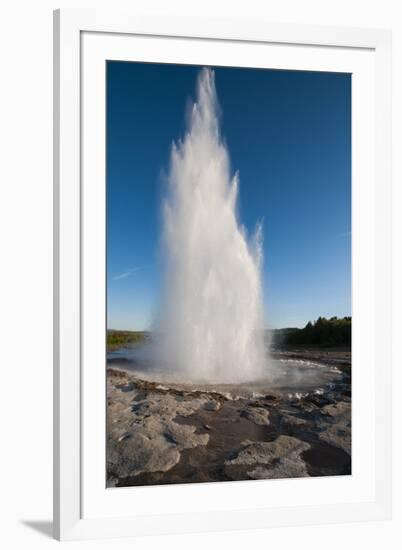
(124, 274)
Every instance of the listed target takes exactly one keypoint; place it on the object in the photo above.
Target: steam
(211, 317)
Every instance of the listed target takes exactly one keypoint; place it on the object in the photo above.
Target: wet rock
(272, 398)
(335, 425)
(286, 468)
(305, 406)
(319, 400)
(340, 410)
(126, 387)
(258, 415)
(212, 405)
(277, 459)
(291, 424)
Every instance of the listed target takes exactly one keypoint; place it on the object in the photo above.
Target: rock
(338, 410)
(126, 387)
(271, 397)
(142, 434)
(338, 436)
(141, 453)
(124, 436)
(335, 425)
(258, 415)
(111, 482)
(291, 424)
(277, 459)
(212, 405)
(305, 406)
(319, 400)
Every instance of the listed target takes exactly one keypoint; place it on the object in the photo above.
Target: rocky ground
(158, 434)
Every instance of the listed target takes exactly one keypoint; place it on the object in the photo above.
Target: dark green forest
(322, 332)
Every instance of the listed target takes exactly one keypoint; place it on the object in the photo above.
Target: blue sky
(289, 136)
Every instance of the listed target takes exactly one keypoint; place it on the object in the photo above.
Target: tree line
(322, 332)
(120, 338)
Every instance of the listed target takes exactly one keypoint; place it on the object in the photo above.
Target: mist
(211, 314)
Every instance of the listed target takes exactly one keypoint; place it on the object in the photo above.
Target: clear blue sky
(288, 134)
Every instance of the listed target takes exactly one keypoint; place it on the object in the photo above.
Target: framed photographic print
(222, 275)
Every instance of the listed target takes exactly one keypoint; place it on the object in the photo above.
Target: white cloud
(125, 274)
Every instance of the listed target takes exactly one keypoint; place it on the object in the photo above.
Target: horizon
(265, 328)
(288, 135)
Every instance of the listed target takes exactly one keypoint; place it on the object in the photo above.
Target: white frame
(197, 498)
(69, 402)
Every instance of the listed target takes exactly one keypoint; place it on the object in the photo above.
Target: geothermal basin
(288, 376)
(293, 422)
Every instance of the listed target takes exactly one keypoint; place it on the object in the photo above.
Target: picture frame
(83, 507)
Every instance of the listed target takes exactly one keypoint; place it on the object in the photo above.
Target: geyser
(211, 319)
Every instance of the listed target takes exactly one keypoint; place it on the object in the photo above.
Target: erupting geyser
(211, 319)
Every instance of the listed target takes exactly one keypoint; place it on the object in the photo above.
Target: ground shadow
(43, 527)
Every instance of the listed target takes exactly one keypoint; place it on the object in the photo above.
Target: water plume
(211, 320)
